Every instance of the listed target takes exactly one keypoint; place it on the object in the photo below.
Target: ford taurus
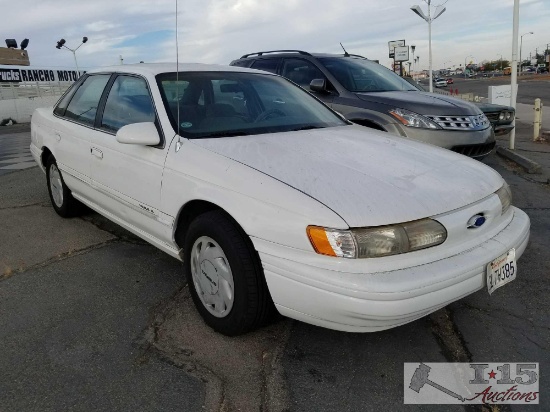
(273, 201)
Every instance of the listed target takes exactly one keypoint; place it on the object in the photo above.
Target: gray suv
(371, 95)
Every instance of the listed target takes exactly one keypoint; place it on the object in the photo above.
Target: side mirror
(319, 85)
(145, 134)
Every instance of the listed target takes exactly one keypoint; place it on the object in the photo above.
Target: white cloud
(218, 31)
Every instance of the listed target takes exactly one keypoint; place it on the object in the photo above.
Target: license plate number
(501, 271)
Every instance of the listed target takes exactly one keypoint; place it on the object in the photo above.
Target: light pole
(61, 43)
(438, 12)
(520, 45)
(445, 66)
(413, 47)
(466, 58)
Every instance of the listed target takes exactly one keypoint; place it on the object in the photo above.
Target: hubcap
(56, 186)
(212, 276)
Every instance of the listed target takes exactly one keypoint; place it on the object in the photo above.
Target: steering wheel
(269, 114)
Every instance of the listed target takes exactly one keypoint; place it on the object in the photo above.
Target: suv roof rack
(275, 51)
(355, 55)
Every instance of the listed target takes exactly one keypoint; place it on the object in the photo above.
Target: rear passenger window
(128, 102)
(83, 105)
(268, 65)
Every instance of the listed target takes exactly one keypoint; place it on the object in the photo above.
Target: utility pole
(514, 74)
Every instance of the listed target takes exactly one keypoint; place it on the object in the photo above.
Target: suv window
(83, 105)
(128, 102)
(241, 63)
(301, 72)
(359, 75)
(268, 65)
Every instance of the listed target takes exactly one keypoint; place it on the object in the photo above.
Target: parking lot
(91, 317)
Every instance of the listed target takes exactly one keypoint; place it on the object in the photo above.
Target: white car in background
(272, 200)
(440, 82)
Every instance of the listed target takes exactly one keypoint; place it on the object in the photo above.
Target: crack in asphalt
(59, 258)
(41, 204)
(215, 390)
(455, 349)
(506, 312)
(239, 373)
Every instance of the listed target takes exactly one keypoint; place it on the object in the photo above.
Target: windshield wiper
(310, 127)
(222, 134)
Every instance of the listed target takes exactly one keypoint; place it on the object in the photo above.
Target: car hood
(489, 107)
(424, 103)
(367, 178)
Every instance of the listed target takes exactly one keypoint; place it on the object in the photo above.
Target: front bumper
(449, 139)
(503, 129)
(369, 302)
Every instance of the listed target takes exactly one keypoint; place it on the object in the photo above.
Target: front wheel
(62, 200)
(225, 276)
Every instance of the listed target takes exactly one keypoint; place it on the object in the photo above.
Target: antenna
(179, 142)
(346, 54)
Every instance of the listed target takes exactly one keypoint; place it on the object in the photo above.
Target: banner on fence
(16, 74)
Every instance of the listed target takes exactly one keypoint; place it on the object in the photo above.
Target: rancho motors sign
(11, 74)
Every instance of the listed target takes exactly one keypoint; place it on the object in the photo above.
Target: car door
(302, 72)
(127, 177)
(77, 111)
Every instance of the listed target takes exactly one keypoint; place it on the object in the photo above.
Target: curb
(526, 164)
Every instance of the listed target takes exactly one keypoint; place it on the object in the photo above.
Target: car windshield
(221, 104)
(358, 75)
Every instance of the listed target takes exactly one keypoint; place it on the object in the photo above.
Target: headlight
(509, 115)
(377, 241)
(505, 196)
(412, 119)
(501, 116)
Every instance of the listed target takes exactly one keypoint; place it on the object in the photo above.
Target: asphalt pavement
(92, 318)
(530, 87)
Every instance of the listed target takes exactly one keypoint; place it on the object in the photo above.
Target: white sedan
(274, 201)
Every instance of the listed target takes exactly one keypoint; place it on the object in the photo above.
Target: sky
(219, 31)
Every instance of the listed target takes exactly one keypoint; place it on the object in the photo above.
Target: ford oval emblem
(476, 221)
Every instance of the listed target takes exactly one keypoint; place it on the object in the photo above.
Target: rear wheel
(62, 200)
(225, 276)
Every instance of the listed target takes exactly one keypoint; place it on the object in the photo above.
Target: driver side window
(301, 72)
(129, 102)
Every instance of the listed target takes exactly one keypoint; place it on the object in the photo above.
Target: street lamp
(438, 12)
(498, 54)
(445, 66)
(413, 47)
(466, 58)
(61, 43)
(521, 44)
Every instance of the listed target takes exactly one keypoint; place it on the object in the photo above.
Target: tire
(225, 275)
(63, 202)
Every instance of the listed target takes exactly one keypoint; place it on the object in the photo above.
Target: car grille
(477, 122)
(474, 150)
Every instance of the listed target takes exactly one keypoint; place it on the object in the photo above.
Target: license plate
(501, 270)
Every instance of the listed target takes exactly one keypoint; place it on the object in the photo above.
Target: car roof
(152, 69)
(279, 53)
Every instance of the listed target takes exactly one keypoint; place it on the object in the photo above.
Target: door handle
(97, 153)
